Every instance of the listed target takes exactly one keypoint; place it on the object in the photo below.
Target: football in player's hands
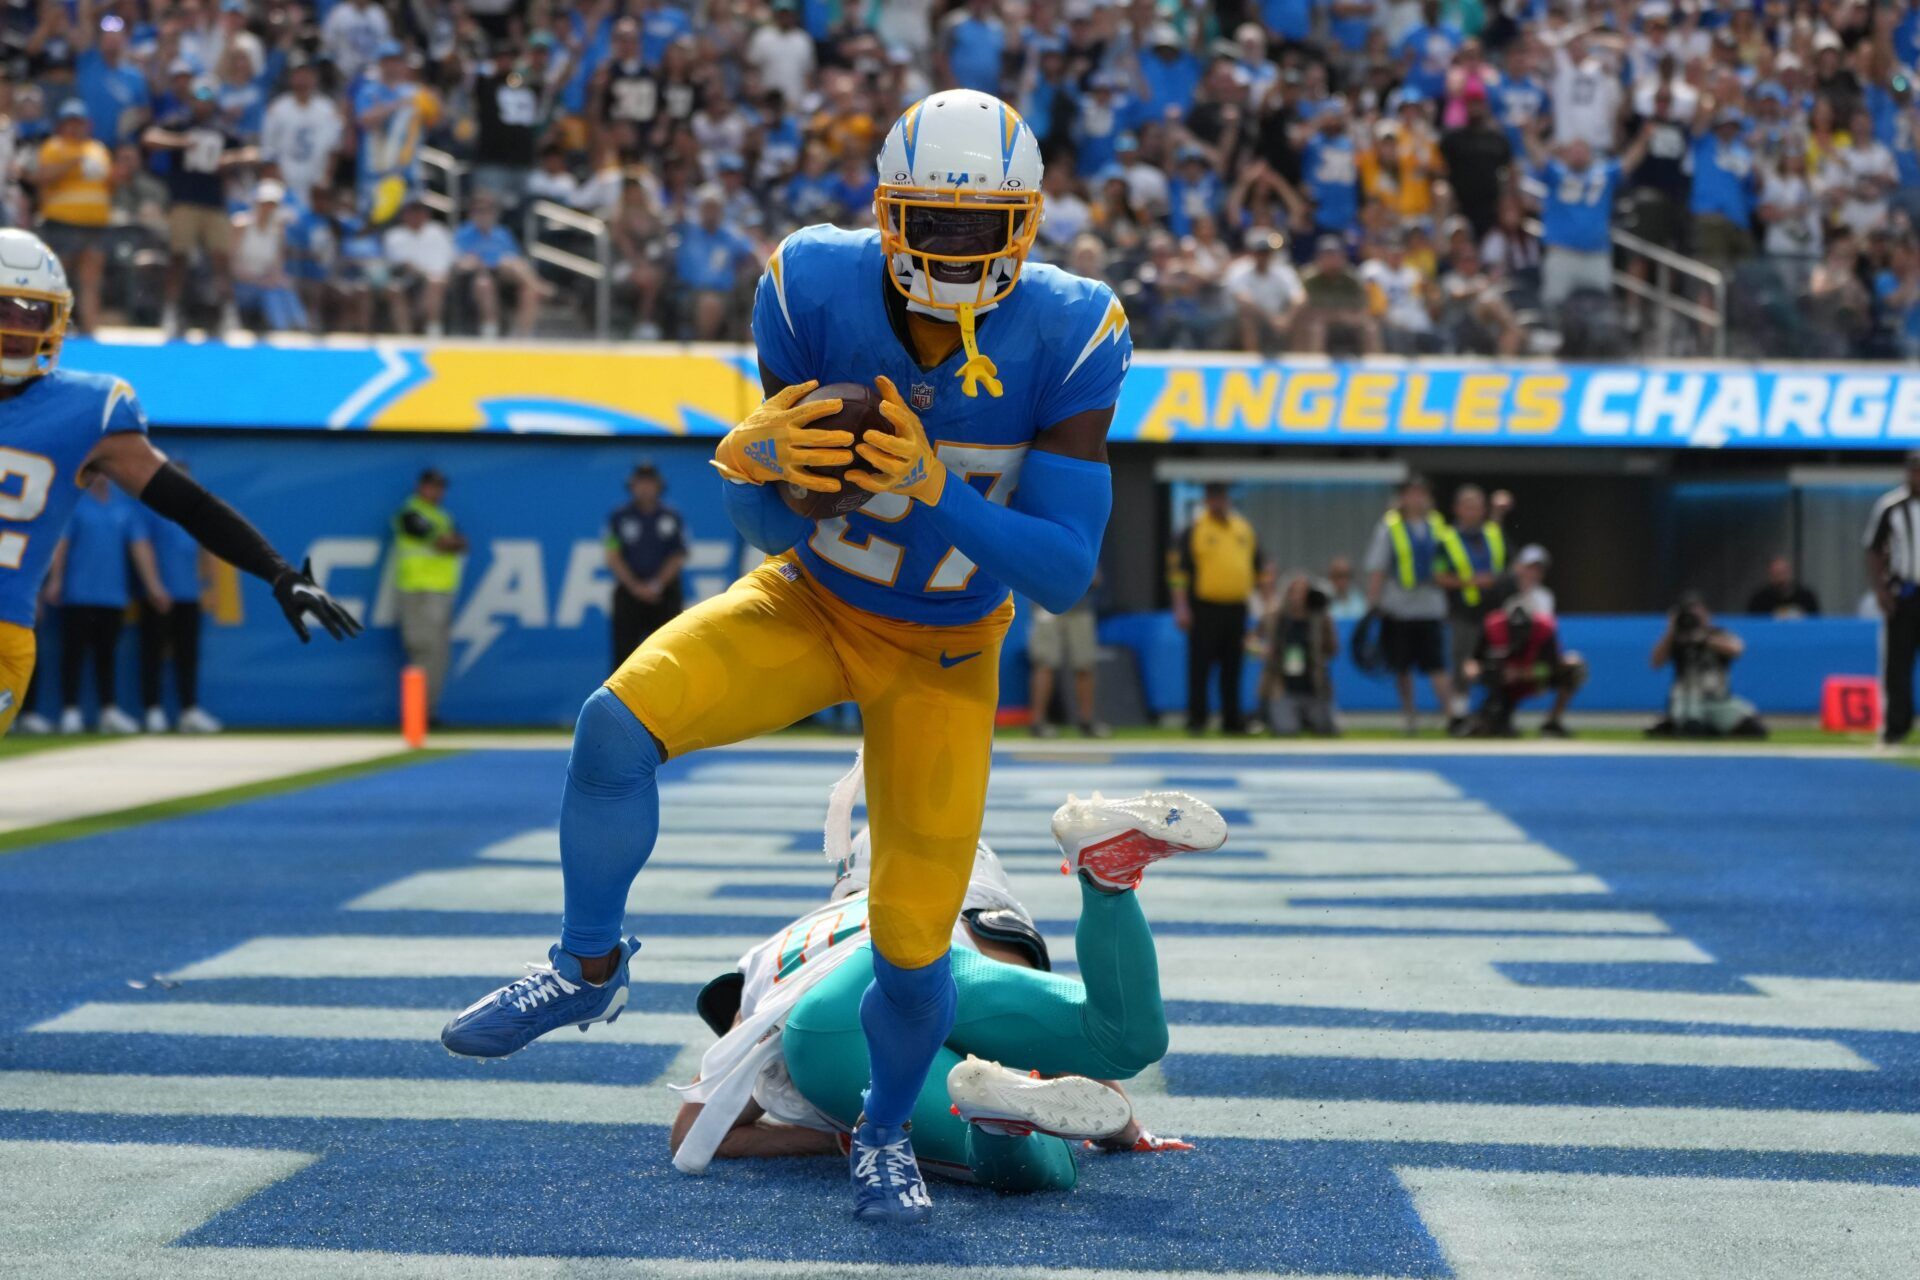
(859, 413)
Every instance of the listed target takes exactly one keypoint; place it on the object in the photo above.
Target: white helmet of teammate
(958, 203)
(35, 303)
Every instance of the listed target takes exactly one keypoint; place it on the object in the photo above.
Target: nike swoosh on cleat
(956, 660)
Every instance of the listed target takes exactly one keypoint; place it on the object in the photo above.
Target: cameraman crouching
(1518, 655)
(1701, 703)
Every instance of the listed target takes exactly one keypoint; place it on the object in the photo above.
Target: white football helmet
(35, 304)
(958, 203)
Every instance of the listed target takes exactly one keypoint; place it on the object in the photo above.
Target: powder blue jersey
(1062, 347)
(46, 432)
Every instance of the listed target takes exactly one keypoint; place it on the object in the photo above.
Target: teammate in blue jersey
(57, 431)
(993, 477)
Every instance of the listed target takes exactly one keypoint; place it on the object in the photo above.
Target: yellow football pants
(777, 647)
(16, 670)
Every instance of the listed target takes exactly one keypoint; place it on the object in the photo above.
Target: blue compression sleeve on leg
(906, 1014)
(1046, 542)
(609, 817)
(762, 516)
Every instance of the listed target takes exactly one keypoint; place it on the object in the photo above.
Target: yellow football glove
(775, 443)
(905, 463)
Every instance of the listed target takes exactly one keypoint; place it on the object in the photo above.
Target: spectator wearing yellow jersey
(1215, 568)
(74, 175)
(1398, 171)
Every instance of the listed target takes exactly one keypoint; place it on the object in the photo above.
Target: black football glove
(298, 595)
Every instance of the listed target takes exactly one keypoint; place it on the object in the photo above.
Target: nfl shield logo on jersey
(921, 393)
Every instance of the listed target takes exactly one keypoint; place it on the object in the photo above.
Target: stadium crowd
(1359, 175)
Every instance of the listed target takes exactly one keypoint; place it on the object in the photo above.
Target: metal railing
(544, 215)
(445, 201)
(1663, 265)
(1660, 290)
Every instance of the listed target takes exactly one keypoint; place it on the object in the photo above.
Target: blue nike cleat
(552, 995)
(887, 1186)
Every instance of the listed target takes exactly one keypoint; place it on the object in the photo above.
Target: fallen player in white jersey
(1032, 1064)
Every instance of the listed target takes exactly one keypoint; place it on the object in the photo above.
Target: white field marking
(1775, 1053)
(1455, 976)
(695, 891)
(111, 1199)
(1242, 968)
(1379, 824)
(75, 782)
(334, 1022)
(1273, 1119)
(1111, 778)
(1583, 1226)
(668, 958)
(337, 1098)
(1239, 860)
(777, 790)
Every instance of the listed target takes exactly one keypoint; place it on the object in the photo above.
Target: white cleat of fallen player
(1001, 1100)
(1114, 841)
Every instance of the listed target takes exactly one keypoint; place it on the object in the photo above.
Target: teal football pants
(1109, 1026)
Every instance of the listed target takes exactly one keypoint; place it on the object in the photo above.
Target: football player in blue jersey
(58, 429)
(994, 477)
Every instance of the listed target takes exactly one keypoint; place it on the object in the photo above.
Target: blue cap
(203, 92)
(1772, 92)
(1110, 173)
(390, 49)
(1126, 142)
(72, 109)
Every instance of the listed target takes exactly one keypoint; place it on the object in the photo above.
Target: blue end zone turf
(1748, 870)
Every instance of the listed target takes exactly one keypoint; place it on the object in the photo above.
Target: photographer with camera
(1300, 645)
(1516, 656)
(1701, 703)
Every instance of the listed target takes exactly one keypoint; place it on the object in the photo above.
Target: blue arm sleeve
(762, 518)
(1046, 542)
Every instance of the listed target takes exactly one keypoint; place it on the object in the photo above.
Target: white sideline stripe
(75, 782)
(1582, 1226)
(335, 1022)
(671, 958)
(340, 1022)
(802, 798)
(1778, 1053)
(1274, 1119)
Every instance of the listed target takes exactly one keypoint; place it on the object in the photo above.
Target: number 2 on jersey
(25, 481)
(878, 560)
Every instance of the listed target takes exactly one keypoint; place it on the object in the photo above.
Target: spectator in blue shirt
(1725, 185)
(1169, 77)
(1427, 51)
(488, 257)
(89, 581)
(975, 49)
(1330, 171)
(1290, 20)
(107, 80)
(1100, 120)
(1195, 192)
(661, 23)
(813, 194)
(710, 263)
(1576, 212)
(853, 188)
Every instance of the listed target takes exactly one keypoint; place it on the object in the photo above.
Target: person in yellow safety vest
(1472, 558)
(427, 551)
(1399, 564)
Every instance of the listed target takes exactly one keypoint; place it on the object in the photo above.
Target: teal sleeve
(1044, 544)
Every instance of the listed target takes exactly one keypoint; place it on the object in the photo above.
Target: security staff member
(1400, 585)
(1893, 567)
(1472, 556)
(1215, 567)
(427, 548)
(646, 550)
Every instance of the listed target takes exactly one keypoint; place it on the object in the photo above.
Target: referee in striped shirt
(1893, 567)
